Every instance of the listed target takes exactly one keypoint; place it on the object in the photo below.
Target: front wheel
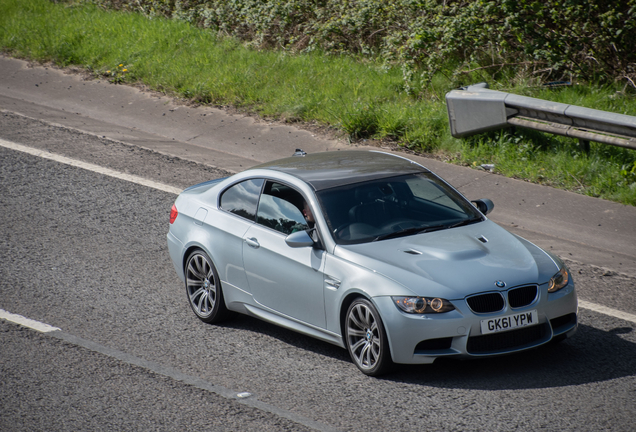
(203, 288)
(366, 338)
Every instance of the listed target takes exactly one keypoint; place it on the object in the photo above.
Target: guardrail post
(476, 109)
(584, 145)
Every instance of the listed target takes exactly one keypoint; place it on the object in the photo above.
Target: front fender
(345, 280)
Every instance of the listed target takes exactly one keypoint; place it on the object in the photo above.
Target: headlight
(423, 305)
(559, 280)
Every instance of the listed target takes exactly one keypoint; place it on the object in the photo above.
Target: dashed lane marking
(243, 398)
(167, 188)
(158, 368)
(27, 322)
(90, 167)
(608, 311)
(56, 332)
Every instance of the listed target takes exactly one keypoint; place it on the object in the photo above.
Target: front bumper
(423, 338)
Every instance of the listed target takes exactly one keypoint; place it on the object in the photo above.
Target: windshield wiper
(409, 231)
(466, 222)
(425, 229)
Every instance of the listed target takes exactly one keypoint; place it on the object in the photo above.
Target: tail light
(173, 213)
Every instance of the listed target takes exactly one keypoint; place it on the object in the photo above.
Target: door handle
(252, 242)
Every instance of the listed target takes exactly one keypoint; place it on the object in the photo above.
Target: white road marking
(90, 167)
(27, 322)
(166, 188)
(243, 398)
(608, 311)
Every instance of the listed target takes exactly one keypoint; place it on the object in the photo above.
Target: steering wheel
(338, 230)
(399, 225)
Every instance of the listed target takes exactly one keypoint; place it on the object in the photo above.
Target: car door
(285, 279)
(238, 203)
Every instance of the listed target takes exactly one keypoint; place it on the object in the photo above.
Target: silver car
(371, 252)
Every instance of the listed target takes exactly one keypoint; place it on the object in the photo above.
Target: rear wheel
(366, 338)
(203, 288)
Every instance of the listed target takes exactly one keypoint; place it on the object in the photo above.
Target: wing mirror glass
(484, 205)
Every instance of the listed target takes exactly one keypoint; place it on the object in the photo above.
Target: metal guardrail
(476, 109)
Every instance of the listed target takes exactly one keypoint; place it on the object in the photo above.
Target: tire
(366, 338)
(203, 289)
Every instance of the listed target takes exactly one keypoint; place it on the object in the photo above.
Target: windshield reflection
(394, 207)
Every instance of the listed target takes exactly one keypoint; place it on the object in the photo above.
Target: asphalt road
(584, 229)
(86, 253)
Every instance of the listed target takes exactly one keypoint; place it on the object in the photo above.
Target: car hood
(455, 262)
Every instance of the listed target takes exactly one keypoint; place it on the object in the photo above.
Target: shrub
(465, 40)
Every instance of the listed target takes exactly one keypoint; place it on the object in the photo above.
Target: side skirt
(292, 324)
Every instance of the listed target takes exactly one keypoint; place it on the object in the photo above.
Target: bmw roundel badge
(500, 284)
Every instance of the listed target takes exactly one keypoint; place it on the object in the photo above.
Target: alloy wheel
(201, 285)
(364, 338)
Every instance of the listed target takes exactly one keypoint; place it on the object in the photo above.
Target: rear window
(281, 207)
(242, 198)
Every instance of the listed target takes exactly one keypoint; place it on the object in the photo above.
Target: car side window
(242, 198)
(281, 208)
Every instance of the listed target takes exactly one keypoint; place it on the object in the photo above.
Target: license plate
(509, 322)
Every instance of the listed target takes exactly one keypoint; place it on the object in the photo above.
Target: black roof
(337, 168)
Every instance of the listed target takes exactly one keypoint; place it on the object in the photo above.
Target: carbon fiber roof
(337, 168)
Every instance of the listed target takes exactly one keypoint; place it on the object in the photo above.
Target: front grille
(520, 297)
(486, 303)
(506, 341)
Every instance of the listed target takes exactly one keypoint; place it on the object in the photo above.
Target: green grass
(361, 98)
(557, 162)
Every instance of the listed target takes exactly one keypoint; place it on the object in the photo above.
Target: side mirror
(299, 239)
(484, 205)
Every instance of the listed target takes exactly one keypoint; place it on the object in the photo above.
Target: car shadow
(290, 337)
(592, 355)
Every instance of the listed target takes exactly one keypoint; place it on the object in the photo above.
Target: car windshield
(394, 207)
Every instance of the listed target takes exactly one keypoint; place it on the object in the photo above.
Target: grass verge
(361, 98)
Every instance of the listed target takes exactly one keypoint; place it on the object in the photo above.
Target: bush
(466, 41)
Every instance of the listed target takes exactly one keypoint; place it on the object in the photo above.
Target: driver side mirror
(484, 205)
(299, 239)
